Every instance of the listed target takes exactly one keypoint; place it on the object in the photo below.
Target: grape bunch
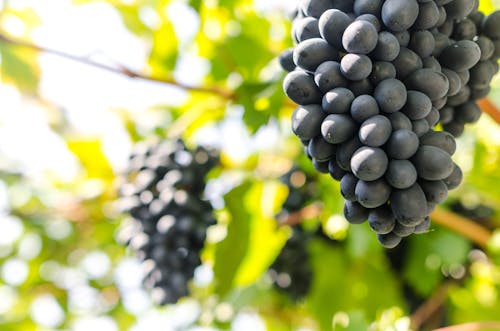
(371, 78)
(462, 108)
(169, 218)
(291, 272)
(301, 190)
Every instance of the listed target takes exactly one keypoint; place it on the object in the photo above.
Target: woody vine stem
(486, 105)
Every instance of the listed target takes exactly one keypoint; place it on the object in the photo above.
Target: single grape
(364, 107)
(348, 186)
(440, 139)
(418, 105)
(360, 37)
(338, 101)
(455, 178)
(399, 121)
(403, 231)
(356, 66)
(387, 48)
(332, 25)
(375, 131)
(286, 60)
(390, 95)
(409, 205)
(423, 227)
(389, 240)
(401, 174)
(309, 54)
(432, 83)
(369, 163)
(328, 76)
(372, 194)
(461, 55)
(435, 191)
(381, 220)
(355, 213)
(299, 86)
(399, 15)
(382, 71)
(320, 149)
(406, 63)
(422, 43)
(306, 121)
(337, 128)
(428, 16)
(345, 152)
(432, 163)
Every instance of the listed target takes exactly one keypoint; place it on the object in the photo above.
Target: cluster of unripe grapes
(169, 218)
(373, 78)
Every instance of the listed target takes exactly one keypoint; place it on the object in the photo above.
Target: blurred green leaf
(230, 252)
(428, 254)
(342, 284)
(356, 322)
(252, 240)
(164, 53)
(266, 240)
(91, 156)
(19, 67)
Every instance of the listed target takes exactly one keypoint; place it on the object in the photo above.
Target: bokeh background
(72, 105)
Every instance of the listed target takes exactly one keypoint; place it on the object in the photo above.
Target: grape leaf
(230, 252)
(19, 67)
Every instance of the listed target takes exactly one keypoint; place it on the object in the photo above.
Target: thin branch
(121, 70)
(462, 225)
(429, 307)
(308, 212)
(477, 326)
(489, 108)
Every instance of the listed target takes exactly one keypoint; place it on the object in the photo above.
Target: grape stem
(430, 306)
(462, 225)
(119, 69)
(489, 108)
(477, 326)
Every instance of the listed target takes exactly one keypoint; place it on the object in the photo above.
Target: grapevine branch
(462, 225)
(477, 326)
(119, 69)
(489, 108)
(308, 212)
(429, 307)
(486, 105)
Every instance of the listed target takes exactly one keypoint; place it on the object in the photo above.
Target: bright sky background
(90, 98)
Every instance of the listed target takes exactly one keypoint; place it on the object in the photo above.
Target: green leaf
(19, 67)
(196, 4)
(355, 321)
(428, 253)
(163, 57)
(261, 101)
(344, 284)
(265, 240)
(252, 242)
(230, 252)
(91, 156)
